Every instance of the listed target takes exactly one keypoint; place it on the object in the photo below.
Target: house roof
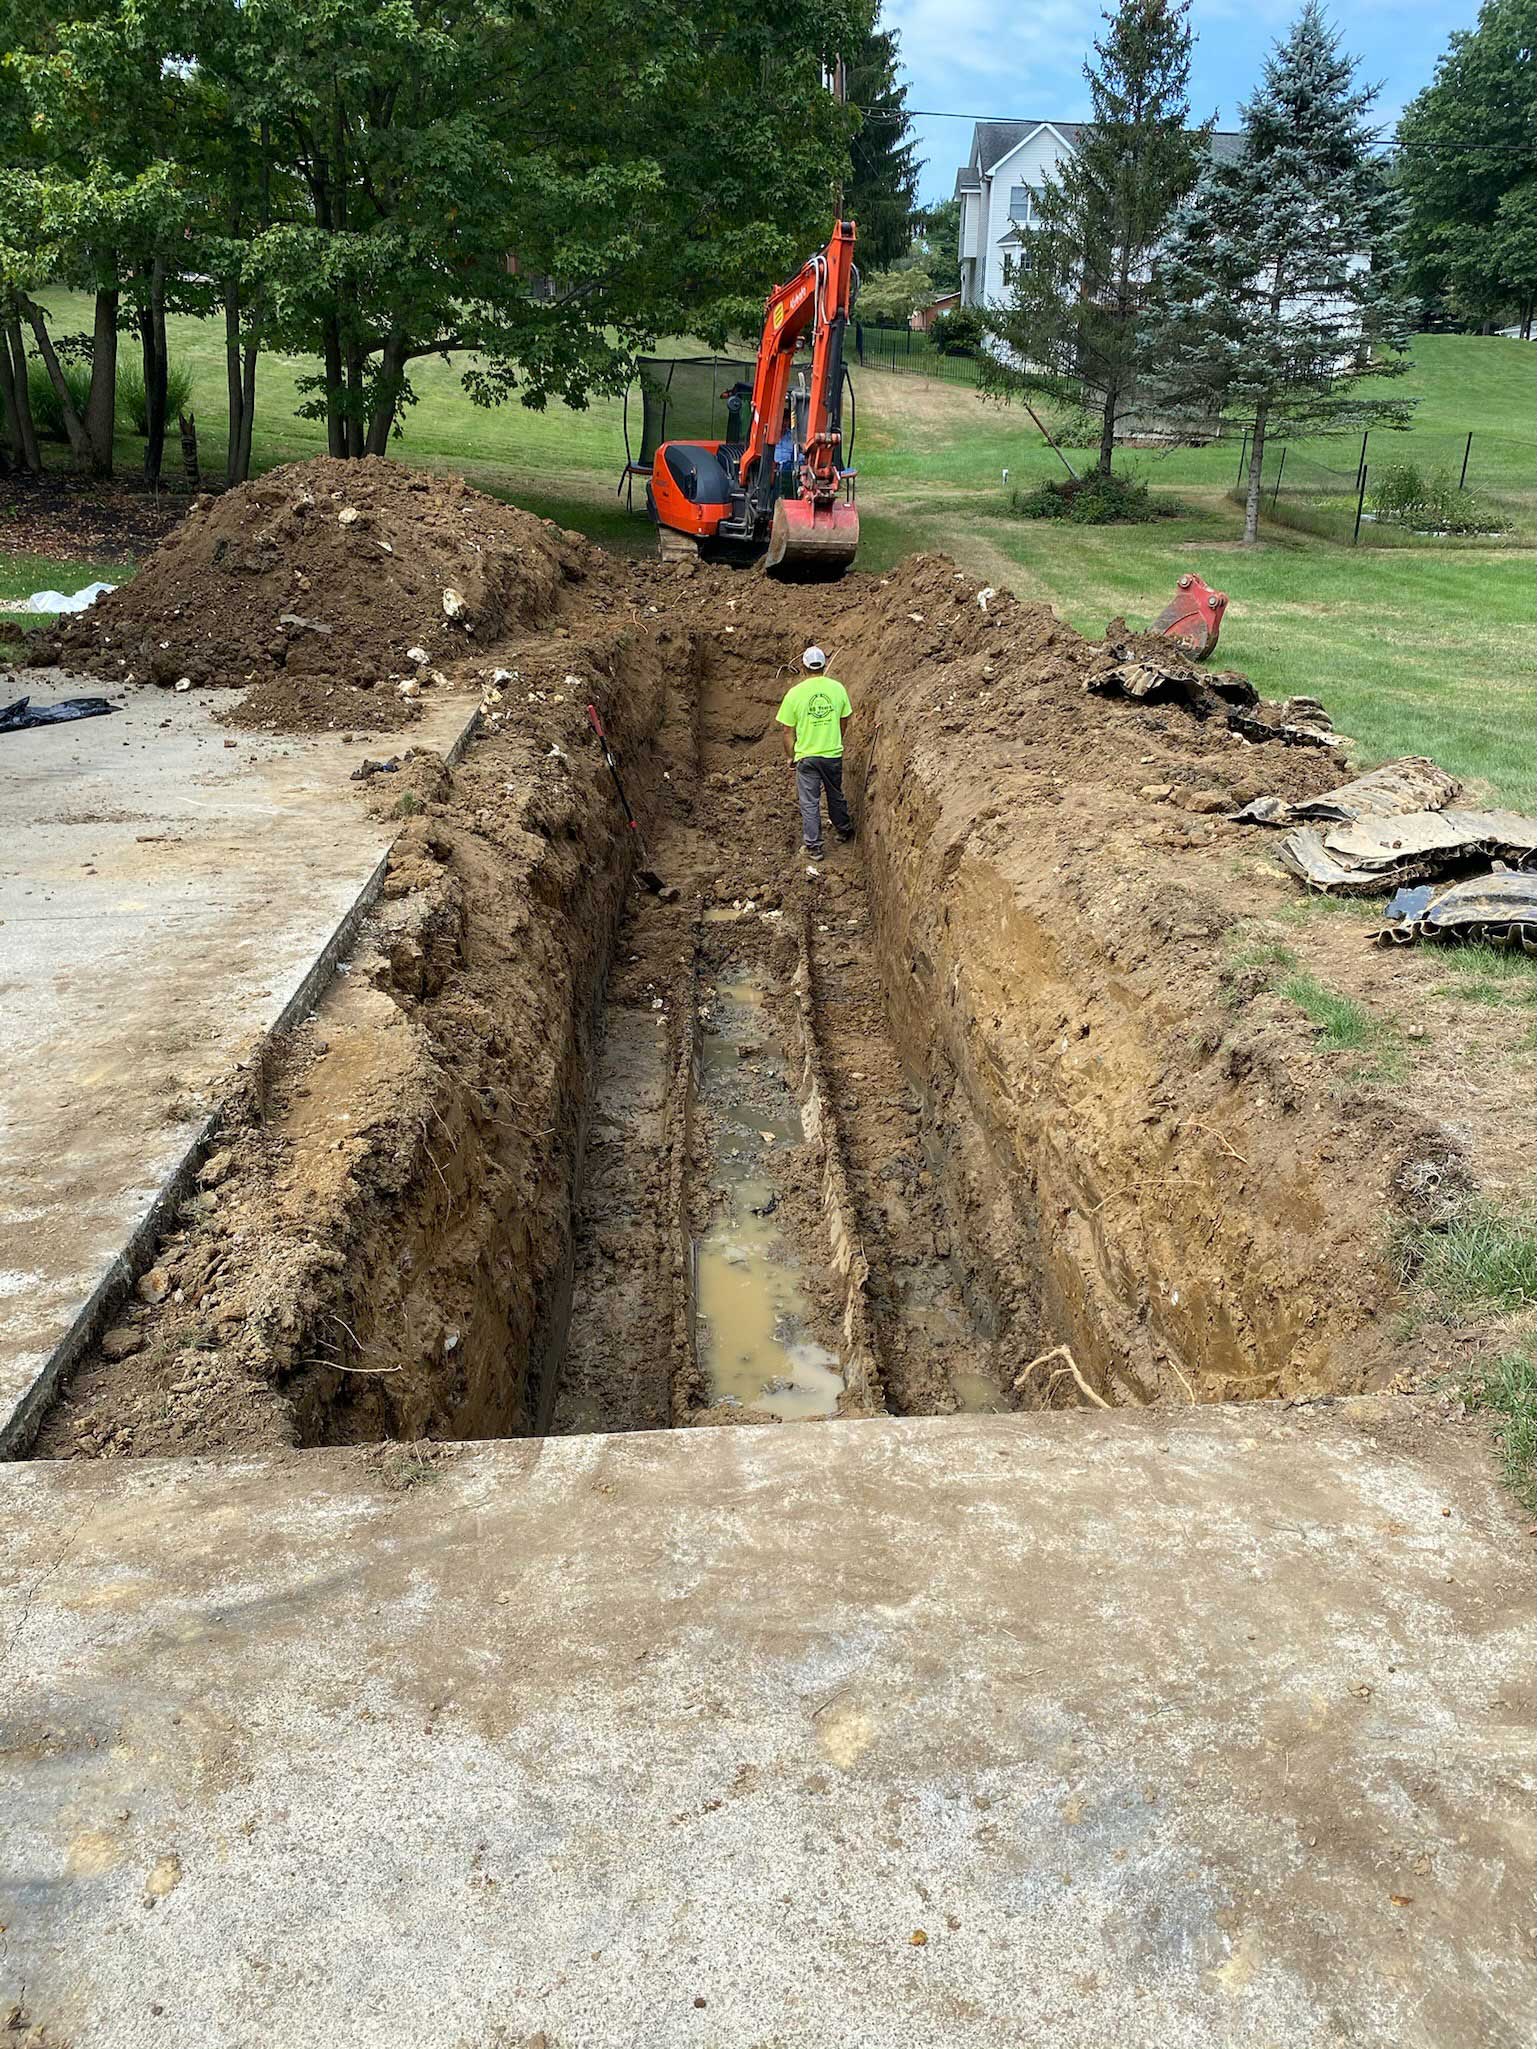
(992, 141)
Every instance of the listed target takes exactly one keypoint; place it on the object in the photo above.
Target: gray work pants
(815, 773)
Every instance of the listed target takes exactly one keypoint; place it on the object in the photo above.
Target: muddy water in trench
(752, 1312)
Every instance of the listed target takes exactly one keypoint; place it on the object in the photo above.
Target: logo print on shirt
(819, 706)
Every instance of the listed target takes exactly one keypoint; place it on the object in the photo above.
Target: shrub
(1078, 427)
(47, 413)
(1429, 503)
(1092, 501)
(133, 401)
(958, 332)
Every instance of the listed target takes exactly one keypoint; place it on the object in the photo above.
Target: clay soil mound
(326, 569)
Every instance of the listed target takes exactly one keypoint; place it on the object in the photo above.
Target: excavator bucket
(1194, 618)
(812, 542)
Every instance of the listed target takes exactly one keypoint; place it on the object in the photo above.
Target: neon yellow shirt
(815, 707)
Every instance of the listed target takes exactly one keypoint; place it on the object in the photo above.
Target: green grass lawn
(1423, 648)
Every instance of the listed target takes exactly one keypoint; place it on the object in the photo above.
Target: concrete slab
(166, 900)
(1179, 1728)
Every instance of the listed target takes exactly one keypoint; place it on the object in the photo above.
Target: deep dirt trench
(760, 1235)
(907, 1133)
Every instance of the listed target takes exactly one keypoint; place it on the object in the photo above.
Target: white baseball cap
(813, 658)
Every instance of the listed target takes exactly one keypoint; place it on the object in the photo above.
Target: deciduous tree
(545, 184)
(1467, 171)
(937, 243)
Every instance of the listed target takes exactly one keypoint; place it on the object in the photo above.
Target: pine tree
(1071, 330)
(1279, 286)
(881, 196)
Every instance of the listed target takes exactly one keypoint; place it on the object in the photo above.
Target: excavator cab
(775, 488)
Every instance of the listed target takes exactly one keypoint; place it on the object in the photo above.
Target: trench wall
(1128, 1189)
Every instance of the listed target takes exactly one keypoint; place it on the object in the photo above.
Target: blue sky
(1025, 58)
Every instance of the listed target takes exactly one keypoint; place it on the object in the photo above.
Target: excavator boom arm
(818, 296)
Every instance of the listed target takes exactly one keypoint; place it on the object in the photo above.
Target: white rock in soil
(419, 655)
(347, 516)
(454, 606)
(183, 683)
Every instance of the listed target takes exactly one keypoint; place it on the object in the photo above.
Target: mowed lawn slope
(1415, 649)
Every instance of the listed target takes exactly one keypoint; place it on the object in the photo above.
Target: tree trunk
(18, 400)
(336, 418)
(156, 368)
(101, 405)
(234, 384)
(31, 453)
(247, 411)
(392, 367)
(74, 426)
(9, 408)
(1107, 432)
(355, 370)
(187, 422)
(1256, 469)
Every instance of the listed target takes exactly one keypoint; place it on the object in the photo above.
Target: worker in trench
(814, 713)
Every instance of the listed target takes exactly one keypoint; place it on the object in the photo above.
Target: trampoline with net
(697, 398)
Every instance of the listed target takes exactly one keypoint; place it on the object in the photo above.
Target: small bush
(133, 400)
(47, 413)
(1092, 501)
(1078, 428)
(1429, 502)
(958, 332)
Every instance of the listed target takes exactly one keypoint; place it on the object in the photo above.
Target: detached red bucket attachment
(810, 540)
(1194, 619)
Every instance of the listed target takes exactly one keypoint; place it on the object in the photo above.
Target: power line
(1384, 136)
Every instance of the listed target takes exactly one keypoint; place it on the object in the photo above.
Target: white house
(1009, 162)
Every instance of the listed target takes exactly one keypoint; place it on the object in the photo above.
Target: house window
(1021, 204)
(1008, 269)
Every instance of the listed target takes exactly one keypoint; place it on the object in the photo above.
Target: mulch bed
(85, 519)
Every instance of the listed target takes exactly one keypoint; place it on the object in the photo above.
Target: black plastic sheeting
(16, 717)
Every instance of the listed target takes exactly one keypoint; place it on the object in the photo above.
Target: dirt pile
(379, 1243)
(328, 575)
(1030, 696)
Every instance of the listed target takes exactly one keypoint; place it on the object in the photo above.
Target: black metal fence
(909, 352)
(1388, 486)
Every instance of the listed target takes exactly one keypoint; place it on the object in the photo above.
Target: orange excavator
(780, 491)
